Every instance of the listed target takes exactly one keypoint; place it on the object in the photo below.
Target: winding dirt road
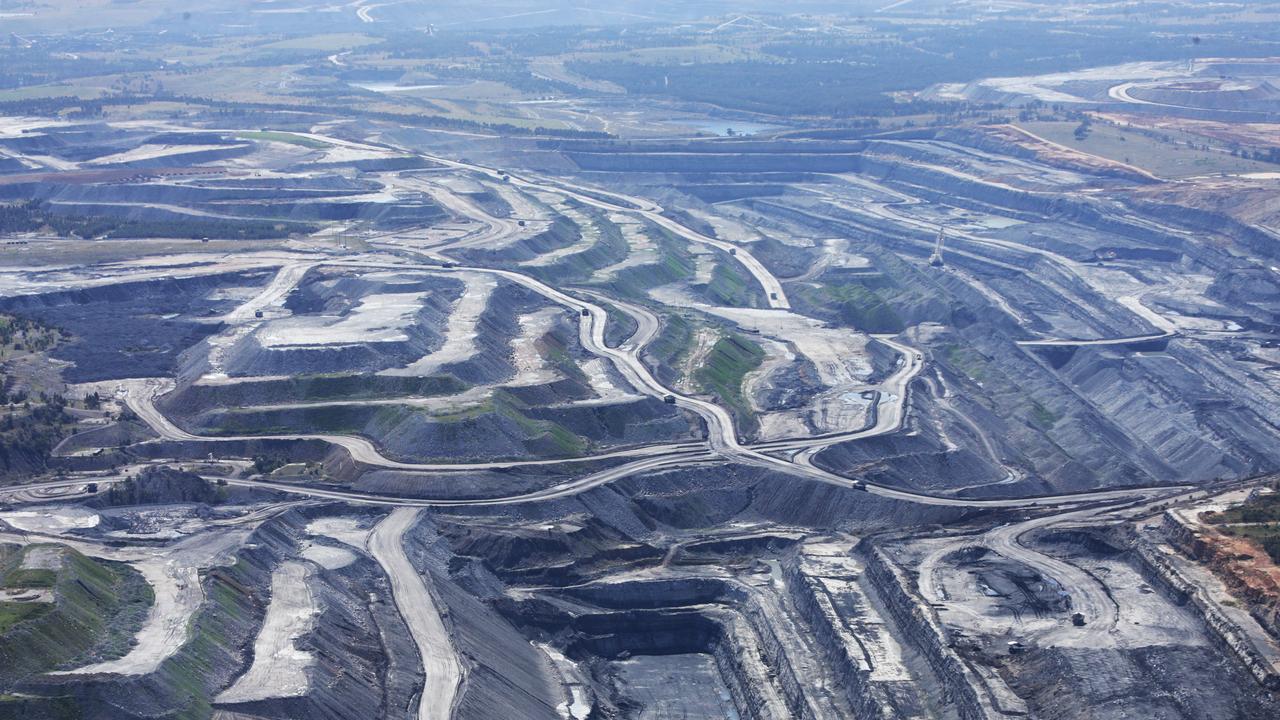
(441, 668)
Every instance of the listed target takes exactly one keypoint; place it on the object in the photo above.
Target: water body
(393, 88)
(722, 127)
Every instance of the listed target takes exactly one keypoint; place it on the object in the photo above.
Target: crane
(936, 258)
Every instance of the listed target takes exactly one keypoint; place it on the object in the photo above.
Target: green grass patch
(545, 436)
(730, 286)
(1267, 535)
(671, 343)
(283, 137)
(1165, 153)
(1043, 416)
(98, 607)
(1262, 509)
(12, 613)
(730, 359)
(31, 578)
(553, 349)
(967, 360)
(859, 305)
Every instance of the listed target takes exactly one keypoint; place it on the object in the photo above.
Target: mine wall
(850, 665)
(160, 289)
(505, 676)
(371, 165)
(655, 594)
(798, 640)
(988, 143)
(561, 233)
(706, 162)
(193, 158)
(273, 186)
(295, 450)
(354, 643)
(147, 213)
(418, 210)
(746, 664)
(775, 653)
(250, 358)
(173, 194)
(193, 399)
(745, 661)
(1113, 456)
(720, 146)
(1253, 237)
(108, 323)
(1156, 412)
(918, 460)
(450, 485)
(497, 327)
(688, 615)
(1154, 565)
(1192, 544)
(917, 242)
(925, 633)
(882, 162)
(884, 360)
(222, 636)
(778, 498)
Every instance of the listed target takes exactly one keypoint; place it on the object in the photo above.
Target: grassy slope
(1257, 519)
(730, 359)
(97, 608)
(1136, 148)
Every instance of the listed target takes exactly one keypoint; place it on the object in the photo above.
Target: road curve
(1088, 596)
(140, 396)
(722, 434)
(626, 204)
(1069, 342)
(441, 669)
(286, 279)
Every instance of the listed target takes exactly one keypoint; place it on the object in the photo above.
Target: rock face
(1223, 627)
(505, 675)
(90, 609)
(867, 400)
(115, 331)
(779, 641)
(361, 657)
(974, 699)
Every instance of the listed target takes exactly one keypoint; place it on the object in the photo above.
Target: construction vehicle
(1077, 619)
(936, 258)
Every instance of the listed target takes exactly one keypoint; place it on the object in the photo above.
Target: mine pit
(550, 398)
